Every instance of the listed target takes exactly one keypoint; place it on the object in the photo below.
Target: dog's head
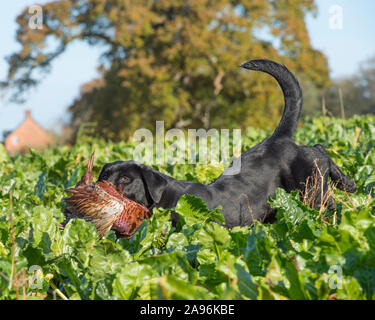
(135, 181)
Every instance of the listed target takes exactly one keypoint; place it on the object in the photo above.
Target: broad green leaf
(194, 210)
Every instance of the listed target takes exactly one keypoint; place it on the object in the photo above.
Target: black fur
(275, 162)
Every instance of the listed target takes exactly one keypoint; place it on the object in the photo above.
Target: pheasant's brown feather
(101, 204)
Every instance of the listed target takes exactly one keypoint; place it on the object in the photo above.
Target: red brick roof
(28, 134)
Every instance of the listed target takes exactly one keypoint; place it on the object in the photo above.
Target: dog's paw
(331, 204)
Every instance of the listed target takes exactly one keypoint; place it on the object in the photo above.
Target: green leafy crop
(306, 254)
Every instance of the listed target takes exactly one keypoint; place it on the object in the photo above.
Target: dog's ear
(154, 182)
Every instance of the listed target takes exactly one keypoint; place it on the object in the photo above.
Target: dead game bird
(101, 204)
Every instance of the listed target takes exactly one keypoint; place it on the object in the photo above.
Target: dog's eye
(124, 180)
(105, 176)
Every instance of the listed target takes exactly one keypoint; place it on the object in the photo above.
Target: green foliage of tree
(172, 60)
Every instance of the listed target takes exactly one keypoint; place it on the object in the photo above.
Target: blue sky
(345, 49)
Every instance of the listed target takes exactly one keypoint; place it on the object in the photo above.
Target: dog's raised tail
(291, 90)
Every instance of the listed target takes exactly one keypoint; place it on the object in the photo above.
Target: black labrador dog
(275, 162)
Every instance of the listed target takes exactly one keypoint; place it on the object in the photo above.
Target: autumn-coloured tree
(173, 60)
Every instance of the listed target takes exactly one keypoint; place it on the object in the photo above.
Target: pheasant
(101, 204)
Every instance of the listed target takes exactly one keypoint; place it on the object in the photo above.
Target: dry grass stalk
(14, 259)
(248, 205)
(314, 187)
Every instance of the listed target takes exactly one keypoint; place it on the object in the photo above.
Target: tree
(173, 60)
(358, 91)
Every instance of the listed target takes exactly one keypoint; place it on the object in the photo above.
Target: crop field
(306, 254)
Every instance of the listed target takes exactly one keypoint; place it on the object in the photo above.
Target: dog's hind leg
(341, 181)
